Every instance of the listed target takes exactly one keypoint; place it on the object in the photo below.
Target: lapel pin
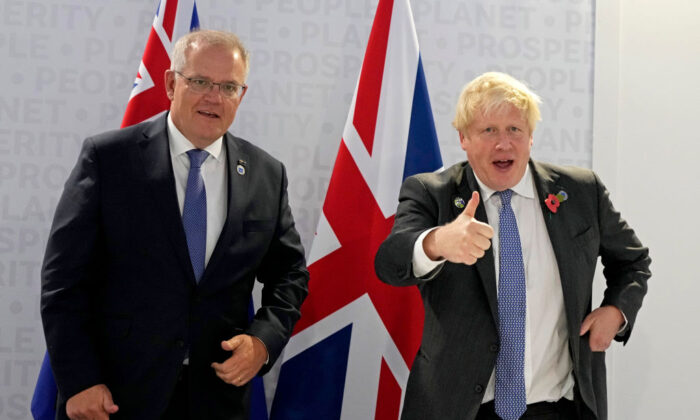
(240, 168)
(554, 201)
(459, 202)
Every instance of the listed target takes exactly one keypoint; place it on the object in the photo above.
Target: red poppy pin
(554, 201)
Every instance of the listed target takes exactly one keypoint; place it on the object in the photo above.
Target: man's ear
(463, 140)
(169, 84)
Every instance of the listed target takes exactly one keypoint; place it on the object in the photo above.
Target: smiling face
(204, 117)
(498, 146)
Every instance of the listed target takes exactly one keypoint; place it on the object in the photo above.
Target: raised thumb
(473, 203)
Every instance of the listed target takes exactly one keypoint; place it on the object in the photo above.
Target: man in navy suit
(141, 320)
(511, 334)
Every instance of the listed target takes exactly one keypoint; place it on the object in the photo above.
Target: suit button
(478, 389)
(493, 347)
(180, 343)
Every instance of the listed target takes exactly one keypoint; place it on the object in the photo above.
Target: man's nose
(503, 141)
(214, 95)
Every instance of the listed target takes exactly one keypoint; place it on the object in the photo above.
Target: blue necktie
(194, 214)
(510, 397)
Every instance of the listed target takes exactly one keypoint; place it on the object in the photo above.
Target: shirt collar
(524, 188)
(179, 144)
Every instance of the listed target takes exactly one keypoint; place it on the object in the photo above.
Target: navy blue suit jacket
(119, 301)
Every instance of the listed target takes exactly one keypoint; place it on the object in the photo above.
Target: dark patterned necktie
(194, 213)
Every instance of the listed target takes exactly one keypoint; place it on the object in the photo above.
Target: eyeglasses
(227, 89)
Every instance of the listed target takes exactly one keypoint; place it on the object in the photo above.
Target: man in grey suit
(157, 240)
(503, 250)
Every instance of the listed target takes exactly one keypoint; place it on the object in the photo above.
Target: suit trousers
(561, 410)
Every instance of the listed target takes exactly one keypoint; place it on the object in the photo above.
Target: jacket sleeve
(68, 278)
(417, 212)
(285, 277)
(625, 261)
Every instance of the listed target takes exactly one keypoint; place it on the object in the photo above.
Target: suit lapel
(484, 265)
(238, 192)
(546, 182)
(157, 165)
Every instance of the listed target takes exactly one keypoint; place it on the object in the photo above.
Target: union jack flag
(351, 352)
(148, 98)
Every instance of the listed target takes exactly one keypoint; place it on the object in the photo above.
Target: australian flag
(173, 20)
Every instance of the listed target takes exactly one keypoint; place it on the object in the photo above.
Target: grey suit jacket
(460, 338)
(120, 304)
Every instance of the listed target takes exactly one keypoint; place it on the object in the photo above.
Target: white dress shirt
(215, 181)
(548, 365)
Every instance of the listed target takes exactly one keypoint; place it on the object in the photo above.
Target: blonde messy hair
(208, 38)
(490, 92)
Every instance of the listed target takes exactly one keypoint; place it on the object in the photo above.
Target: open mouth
(503, 164)
(208, 114)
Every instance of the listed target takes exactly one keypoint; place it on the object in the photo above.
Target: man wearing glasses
(161, 230)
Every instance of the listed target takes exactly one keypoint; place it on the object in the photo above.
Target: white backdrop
(68, 65)
(647, 148)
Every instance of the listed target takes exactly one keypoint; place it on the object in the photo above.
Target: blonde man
(503, 250)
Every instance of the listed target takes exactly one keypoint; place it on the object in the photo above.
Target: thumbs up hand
(464, 240)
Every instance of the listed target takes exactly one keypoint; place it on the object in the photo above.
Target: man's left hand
(249, 355)
(603, 325)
